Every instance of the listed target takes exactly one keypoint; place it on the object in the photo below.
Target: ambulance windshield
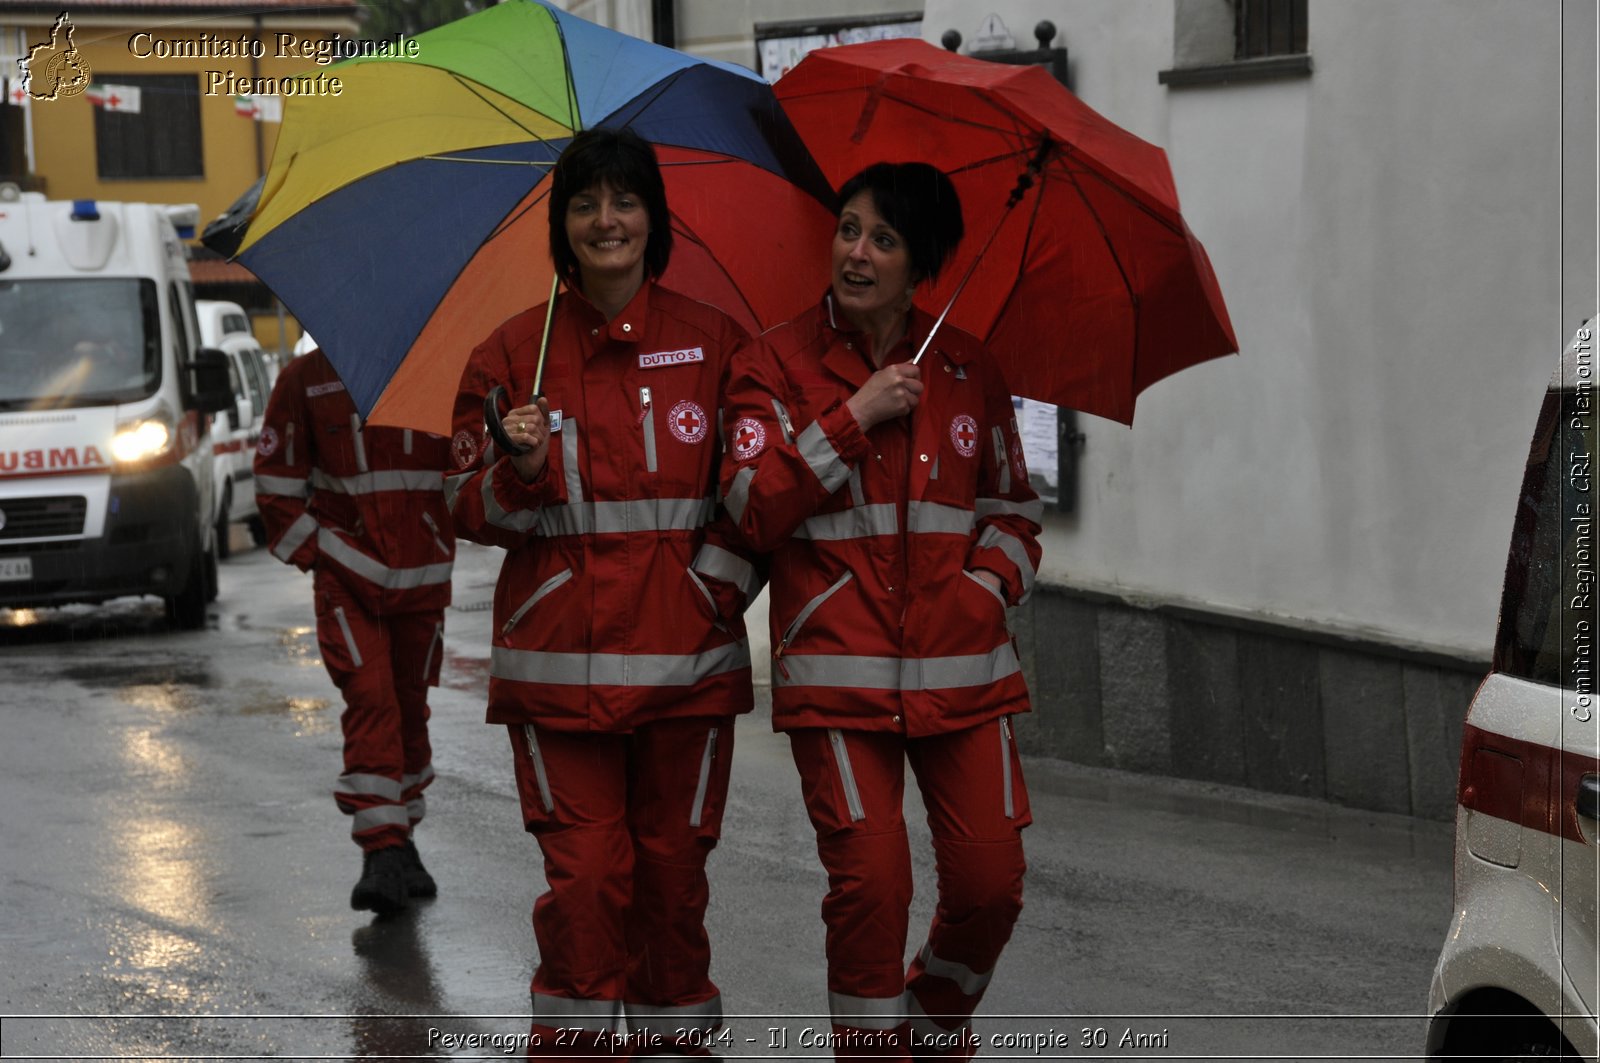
(78, 342)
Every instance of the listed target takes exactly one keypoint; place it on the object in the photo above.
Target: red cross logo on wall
(964, 434)
(687, 422)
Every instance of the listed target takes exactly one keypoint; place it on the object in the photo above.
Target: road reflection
(398, 980)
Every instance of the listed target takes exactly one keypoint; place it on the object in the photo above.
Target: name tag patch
(325, 389)
(661, 358)
(555, 421)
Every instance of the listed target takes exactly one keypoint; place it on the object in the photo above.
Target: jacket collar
(627, 327)
(954, 352)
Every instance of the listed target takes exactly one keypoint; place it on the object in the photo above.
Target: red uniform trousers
(977, 803)
(383, 665)
(625, 822)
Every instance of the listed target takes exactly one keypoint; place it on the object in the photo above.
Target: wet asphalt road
(176, 879)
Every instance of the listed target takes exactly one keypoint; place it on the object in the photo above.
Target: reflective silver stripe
(847, 775)
(360, 443)
(705, 777)
(625, 516)
(935, 518)
(591, 1016)
(417, 809)
(980, 581)
(303, 528)
(1003, 507)
(857, 522)
(738, 499)
(370, 483)
(782, 413)
(375, 571)
(1012, 547)
(427, 660)
(519, 521)
(925, 1029)
(375, 785)
(379, 816)
(349, 639)
(648, 425)
(569, 459)
(538, 768)
(410, 779)
(858, 496)
(1001, 463)
(812, 606)
(288, 486)
(288, 446)
(727, 566)
(667, 1022)
(700, 585)
(543, 589)
(408, 441)
(934, 474)
(824, 461)
(453, 486)
(867, 1013)
(971, 982)
(616, 669)
(895, 673)
(1005, 771)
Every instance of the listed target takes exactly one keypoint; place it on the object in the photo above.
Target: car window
(1547, 608)
(255, 379)
(234, 323)
(235, 380)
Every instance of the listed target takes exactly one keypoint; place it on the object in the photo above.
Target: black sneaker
(382, 888)
(418, 882)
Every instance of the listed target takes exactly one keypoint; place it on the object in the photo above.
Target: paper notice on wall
(1036, 422)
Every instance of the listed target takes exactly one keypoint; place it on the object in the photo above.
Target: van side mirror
(209, 382)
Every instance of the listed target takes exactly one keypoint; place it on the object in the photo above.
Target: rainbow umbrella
(403, 220)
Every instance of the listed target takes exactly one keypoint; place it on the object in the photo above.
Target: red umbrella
(1087, 285)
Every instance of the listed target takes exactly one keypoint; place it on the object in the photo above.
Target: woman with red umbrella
(894, 498)
(610, 668)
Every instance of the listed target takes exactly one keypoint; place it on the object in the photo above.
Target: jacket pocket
(847, 776)
(711, 603)
(543, 591)
(707, 760)
(433, 529)
(539, 775)
(793, 630)
(1005, 767)
(994, 592)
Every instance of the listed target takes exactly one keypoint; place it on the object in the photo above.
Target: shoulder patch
(267, 445)
(964, 434)
(464, 446)
(749, 438)
(687, 422)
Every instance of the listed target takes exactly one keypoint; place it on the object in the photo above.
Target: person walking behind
(894, 499)
(615, 673)
(363, 510)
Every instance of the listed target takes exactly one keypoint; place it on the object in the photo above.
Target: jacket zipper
(706, 760)
(361, 446)
(647, 419)
(433, 526)
(799, 621)
(847, 776)
(288, 435)
(544, 588)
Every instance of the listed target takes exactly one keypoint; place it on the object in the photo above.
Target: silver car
(1517, 978)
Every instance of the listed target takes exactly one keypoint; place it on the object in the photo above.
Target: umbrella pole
(544, 340)
(1024, 182)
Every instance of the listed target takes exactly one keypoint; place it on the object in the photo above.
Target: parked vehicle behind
(106, 477)
(1517, 977)
(226, 327)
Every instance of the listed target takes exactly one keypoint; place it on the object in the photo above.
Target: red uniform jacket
(600, 623)
(877, 621)
(363, 504)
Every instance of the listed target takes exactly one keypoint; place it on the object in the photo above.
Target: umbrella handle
(492, 421)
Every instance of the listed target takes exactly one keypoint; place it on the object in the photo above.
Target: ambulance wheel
(224, 549)
(186, 610)
(213, 578)
(258, 530)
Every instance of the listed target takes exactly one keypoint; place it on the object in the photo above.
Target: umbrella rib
(1117, 189)
(472, 87)
(1133, 300)
(684, 231)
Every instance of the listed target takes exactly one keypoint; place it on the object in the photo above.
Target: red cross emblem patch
(465, 448)
(964, 434)
(749, 438)
(687, 422)
(268, 443)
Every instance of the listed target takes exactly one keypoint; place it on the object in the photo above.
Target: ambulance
(106, 475)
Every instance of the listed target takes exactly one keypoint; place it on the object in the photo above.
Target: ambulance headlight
(144, 439)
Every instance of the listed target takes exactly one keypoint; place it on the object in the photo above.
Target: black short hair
(624, 160)
(921, 204)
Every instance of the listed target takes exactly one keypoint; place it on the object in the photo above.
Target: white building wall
(1388, 236)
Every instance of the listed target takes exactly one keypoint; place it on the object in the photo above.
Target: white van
(225, 327)
(106, 477)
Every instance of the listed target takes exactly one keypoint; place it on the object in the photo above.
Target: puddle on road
(299, 644)
(310, 715)
(128, 673)
(470, 674)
